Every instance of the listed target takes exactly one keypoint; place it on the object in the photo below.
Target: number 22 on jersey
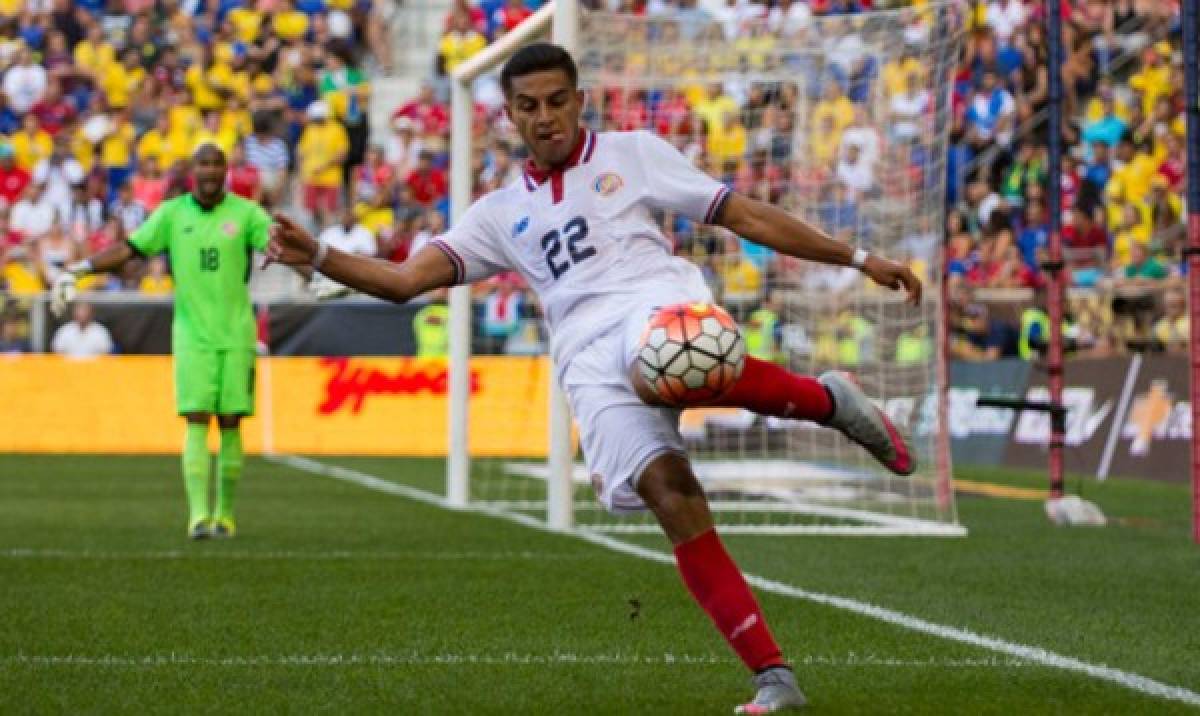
(573, 235)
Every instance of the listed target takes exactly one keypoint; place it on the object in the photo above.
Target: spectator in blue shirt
(1109, 128)
(1097, 171)
(1035, 235)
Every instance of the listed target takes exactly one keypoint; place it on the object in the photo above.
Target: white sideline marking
(1022, 652)
(217, 554)
(498, 659)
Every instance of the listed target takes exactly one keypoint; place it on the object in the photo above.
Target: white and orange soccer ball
(691, 353)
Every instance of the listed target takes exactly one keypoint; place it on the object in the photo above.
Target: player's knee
(197, 418)
(229, 422)
(668, 482)
(673, 493)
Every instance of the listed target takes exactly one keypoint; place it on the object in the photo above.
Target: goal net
(844, 121)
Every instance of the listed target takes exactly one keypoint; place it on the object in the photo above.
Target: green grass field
(338, 598)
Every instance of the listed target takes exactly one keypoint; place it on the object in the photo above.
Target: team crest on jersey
(608, 184)
(520, 226)
(229, 229)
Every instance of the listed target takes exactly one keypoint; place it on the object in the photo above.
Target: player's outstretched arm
(429, 269)
(110, 259)
(775, 228)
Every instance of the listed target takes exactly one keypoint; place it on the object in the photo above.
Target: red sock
(717, 584)
(767, 389)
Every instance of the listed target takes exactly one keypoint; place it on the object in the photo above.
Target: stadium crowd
(102, 103)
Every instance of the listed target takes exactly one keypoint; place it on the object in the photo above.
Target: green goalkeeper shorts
(217, 382)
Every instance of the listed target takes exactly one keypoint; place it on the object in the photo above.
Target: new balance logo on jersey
(520, 226)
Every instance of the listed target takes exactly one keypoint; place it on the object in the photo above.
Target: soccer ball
(691, 353)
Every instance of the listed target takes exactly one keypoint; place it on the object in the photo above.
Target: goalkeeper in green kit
(210, 236)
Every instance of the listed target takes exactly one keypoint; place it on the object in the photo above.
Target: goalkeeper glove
(64, 290)
(324, 288)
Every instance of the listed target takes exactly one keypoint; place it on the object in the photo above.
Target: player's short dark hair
(538, 57)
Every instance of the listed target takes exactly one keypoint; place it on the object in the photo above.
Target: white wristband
(859, 258)
(79, 268)
(319, 257)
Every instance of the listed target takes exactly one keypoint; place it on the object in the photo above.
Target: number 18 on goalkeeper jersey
(210, 252)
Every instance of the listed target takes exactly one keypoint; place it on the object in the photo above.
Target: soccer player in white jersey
(579, 226)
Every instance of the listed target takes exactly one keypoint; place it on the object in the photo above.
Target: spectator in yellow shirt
(834, 104)
(116, 150)
(896, 72)
(460, 42)
(1096, 109)
(83, 142)
(157, 281)
(378, 216)
(212, 131)
(183, 113)
(1132, 228)
(713, 108)
(236, 119)
(756, 48)
(210, 81)
(31, 144)
(177, 148)
(247, 22)
(153, 143)
(741, 279)
(1133, 178)
(290, 25)
(94, 54)
(727, 142)
(322, 149)
(824, 142)
(1154, 79)
(121, 79)
(20, 271)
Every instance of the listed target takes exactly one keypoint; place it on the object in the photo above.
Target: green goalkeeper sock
(195, 471)
(229, 471)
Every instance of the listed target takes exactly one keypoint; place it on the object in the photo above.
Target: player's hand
(895, 276)
(62, 293)
(290, 244)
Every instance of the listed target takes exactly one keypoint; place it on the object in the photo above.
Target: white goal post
(763, 476)
(563, 14)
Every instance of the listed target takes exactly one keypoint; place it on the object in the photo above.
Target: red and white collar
(585, 145)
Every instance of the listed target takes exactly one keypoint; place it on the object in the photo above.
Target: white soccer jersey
(585, 237)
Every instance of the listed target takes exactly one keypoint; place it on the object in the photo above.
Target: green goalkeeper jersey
(211, 253)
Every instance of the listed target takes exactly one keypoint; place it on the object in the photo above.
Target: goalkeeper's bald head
(207, 145)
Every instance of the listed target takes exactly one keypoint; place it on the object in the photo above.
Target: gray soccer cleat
(858, 419)
(777, 691)
(199, 530)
